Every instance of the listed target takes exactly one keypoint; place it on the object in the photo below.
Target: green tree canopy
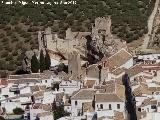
(34, 64)
(2, 118)
(42, 61)
(47, 61)
(59, 112)
(18, 111)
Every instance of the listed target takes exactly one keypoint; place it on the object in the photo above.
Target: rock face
(102, 41)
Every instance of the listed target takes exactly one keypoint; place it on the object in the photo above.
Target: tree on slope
(34, 64)
(47, 61)
(42, 61)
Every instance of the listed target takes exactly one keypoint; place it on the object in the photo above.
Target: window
(104, 64)
(76, 103)
(139, 109)
(110, 107)
(101, 106)
(153, 107)
(118, 106)
(46, 81)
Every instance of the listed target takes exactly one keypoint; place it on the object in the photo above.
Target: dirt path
(150, 26)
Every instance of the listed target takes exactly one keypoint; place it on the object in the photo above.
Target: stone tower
(41, 40)
(45, 39)
(102, 26)
(74, 65)
(69, 34)
(49, 38)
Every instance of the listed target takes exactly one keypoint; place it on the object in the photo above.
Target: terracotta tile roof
(47, 107)
(119, 81)
(147, 77)
(47, 74)
(158, 89)
(149, 101)
(101, 118)
(4, 82)
(142, 89)
(39, 94)
(63, 75)
(87, 107)
(37, 106)
(118, 59)
(11, 98)
(26, 78)
(24, 81)
(134, 70)
(118, 71)
(120, 91)
(43, 87)
(113, 88)
(90, 83)
(118, 115)
(150, 66)
(105, 97)
(34, 88)
(37, 88)
(43, 114)
(33, 75)
(83, 94)
(110, 88)
(110, 82)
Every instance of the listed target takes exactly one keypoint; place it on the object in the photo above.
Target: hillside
(19, 24)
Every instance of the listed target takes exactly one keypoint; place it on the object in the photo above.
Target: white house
(121, 59)
(149, 58)
(67, 106)
(114, 66)
(148, 105)
(9, 106)
(152, 116)
(50, 96)
(42, 111)
(106, 104)
(78, 100)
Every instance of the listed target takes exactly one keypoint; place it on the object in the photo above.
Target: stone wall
(74, 65)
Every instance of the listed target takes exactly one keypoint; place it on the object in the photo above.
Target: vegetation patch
(19, 24)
